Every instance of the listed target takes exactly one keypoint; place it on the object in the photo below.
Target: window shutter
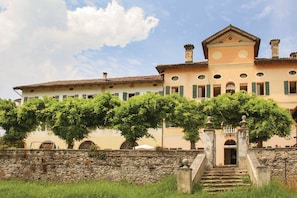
(253, 87)
(116, 94)
(208, 90)
(181, 90)
(125, 96)
(64, 97)
(267, 88)
(286, 87)
(76, 96)
(167, 124)
(84, 96)
(25, 99)
(137, 93)
(167, 90)
(194, 91)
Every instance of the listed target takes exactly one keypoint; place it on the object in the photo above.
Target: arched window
(86, 145)
(230, 87)
(47, 145)
(230, 142)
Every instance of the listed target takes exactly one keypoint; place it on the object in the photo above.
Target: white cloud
(40, 39)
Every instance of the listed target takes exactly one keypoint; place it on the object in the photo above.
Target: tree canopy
(264, 116)
(135, 116)
(188, 115)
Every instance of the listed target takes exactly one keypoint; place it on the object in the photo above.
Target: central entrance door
(230, 156)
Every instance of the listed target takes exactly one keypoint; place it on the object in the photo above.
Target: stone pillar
(184, 178)
(242, 143)
(210, 144)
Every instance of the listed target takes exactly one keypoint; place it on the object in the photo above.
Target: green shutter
(137, 93)
(267, 89)
(25, 99)
(181, 90)
(208, 90)
(286, 87)
(116, 94)
(253, 87)
(64, 97)
(125, 96)
(194, 91)
(84, 96)
(75, 96)
(167, 124)
(167, 90)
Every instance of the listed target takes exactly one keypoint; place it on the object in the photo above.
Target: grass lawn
(165, 189)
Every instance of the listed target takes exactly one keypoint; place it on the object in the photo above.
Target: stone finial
(185, 163)
(208, 123)
(293, 55)
(189, 53)
(243, 122)
(274, 47)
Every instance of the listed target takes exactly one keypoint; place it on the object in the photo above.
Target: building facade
(231, 64)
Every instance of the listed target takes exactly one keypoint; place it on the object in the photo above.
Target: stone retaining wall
(282, 162)
(75, 165)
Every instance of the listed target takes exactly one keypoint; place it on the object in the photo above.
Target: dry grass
(292, 183)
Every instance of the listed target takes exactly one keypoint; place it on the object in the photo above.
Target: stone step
(220, 179)
(216, 180)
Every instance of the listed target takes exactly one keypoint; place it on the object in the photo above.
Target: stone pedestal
(184, 178)
(243, 143)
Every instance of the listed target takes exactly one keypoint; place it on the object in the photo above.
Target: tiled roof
(161, 68)
(102, 81)
(274, 60)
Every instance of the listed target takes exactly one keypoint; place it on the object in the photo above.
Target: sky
(48, 40)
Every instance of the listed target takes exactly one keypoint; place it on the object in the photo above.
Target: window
(174, 78)
(230, 88)
(126, 95)
(216, 90)
(201, 91)
(260, 74)
(243, 75)
(261, 88)
(292, 87)
(201, 77)
(130, 95)
(217, 76)
(56, 97)
(174, 90)
(292, 72)
(243, 86)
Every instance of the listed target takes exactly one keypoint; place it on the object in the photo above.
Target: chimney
(105, 75)
(189, 53)
(293, 55)
(274, 47)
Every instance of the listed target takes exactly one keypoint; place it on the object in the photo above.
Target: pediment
(231, 35)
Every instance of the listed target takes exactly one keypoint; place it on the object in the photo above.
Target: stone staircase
(224, 178)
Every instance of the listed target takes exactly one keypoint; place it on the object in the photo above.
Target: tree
(18, 121)
(104, 109)
(135, 116)
(71, 119)
(188, 115)
(267, 119)
(264, 116)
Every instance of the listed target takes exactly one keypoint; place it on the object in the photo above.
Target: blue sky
(50, 40)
